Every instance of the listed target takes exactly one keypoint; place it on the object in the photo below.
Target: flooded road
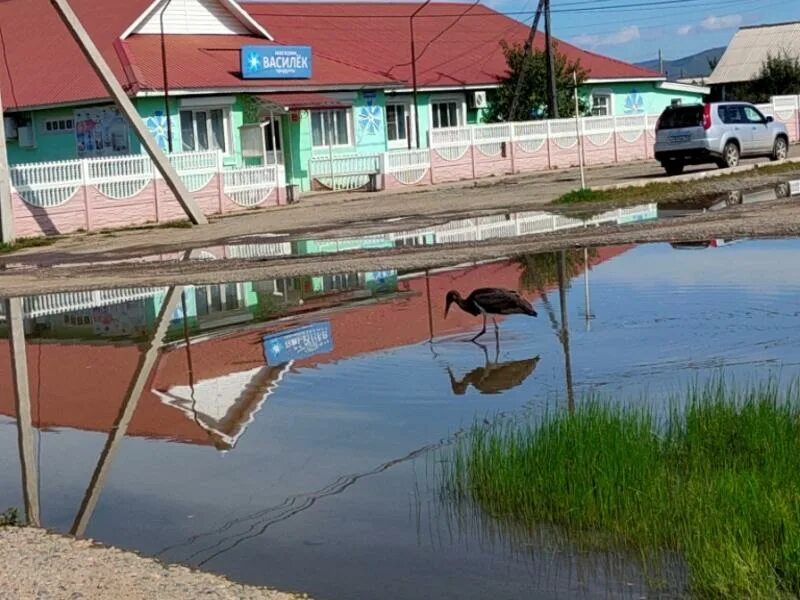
(288, 430)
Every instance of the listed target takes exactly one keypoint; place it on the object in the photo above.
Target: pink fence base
(90, 210)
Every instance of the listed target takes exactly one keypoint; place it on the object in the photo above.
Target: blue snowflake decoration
(369, 120)
(253, 62)
(634, 103)
(157, 126)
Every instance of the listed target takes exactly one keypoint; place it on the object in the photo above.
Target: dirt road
(358, 213)
(92, 261)
(769, 219)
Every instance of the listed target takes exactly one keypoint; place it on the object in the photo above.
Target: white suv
(719, 132)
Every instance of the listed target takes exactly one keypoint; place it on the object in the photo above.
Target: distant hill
(695, 65)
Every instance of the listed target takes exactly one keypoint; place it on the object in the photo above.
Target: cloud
(617, 38)
(685, 30)
(712, 23)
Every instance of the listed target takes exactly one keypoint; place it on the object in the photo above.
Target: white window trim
(227, 125)
(602, 92)
(410, 140)
(441, 98)
(350, 134)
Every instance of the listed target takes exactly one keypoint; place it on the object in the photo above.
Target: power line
(626, 7)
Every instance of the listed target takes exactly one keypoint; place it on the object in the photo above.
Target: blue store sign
(294, 344)
(276, 62)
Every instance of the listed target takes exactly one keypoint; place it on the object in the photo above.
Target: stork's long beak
(447, 308)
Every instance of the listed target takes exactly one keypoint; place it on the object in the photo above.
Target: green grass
(31, 242)
(10, 518)
(671, 190)
(718, 482)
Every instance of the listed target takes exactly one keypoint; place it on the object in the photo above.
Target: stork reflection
(493, 377)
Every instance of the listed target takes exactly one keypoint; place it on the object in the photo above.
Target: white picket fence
(494, 139)
(52, 184)
(517, 224)
(54, 304)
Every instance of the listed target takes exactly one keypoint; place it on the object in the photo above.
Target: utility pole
(124, 103)
(6, 208)
(415, 108)
(526, 52)
(552, 102)
(660, 62)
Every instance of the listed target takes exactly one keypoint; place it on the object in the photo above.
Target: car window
(753, 115)
(731, 114)
(684, 116)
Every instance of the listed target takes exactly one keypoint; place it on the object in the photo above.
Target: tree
(779, 75)
(533, 95)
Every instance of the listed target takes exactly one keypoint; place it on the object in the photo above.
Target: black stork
(491, 301)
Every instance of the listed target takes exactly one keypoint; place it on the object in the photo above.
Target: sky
(635, 30)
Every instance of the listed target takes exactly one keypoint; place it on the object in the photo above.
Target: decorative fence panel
(343, 172)
(90, 194)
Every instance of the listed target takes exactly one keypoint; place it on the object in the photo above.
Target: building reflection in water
(186, 363)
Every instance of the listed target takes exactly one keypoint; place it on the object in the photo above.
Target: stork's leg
(496, 348)
(482, 331)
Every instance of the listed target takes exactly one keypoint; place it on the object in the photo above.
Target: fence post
(220, 182)
(85, 185)
(472, 148)
(430, 156)
(382, 170)
(548, 137)
(614, 135)
(156, 192)
(512, 150)
(646, 137)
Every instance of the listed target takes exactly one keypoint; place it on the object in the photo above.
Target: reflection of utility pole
(562, 292)
(6, 208)
(552, 102)
(586, 300)
(120, 428)
(430, 306)
(27, 453)
(124, 103)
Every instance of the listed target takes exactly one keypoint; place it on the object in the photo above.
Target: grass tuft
(29, 242)
(716, 481)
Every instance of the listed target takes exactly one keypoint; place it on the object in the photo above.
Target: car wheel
(673, 167)
(730, 155)
(780, 150)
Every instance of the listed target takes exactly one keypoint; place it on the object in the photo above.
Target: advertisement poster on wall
(101, 131)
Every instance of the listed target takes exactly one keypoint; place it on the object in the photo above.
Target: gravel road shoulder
(42, 565)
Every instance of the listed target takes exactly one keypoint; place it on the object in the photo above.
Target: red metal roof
(354, 44)
(212, 61)
(451, 51)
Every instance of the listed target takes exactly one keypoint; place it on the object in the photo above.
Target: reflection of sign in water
(298, 343)
(101, 131)
(276, 62)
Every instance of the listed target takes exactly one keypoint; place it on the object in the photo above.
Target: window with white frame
(601, 104)
(330, 128)
(205, 129)
(397, 119)
(447, 113)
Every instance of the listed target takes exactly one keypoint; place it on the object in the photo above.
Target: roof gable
(750, 47)
(196, 17)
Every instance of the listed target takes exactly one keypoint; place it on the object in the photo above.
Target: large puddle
(304, 460)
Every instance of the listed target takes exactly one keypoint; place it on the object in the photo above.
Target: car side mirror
(770, 119)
